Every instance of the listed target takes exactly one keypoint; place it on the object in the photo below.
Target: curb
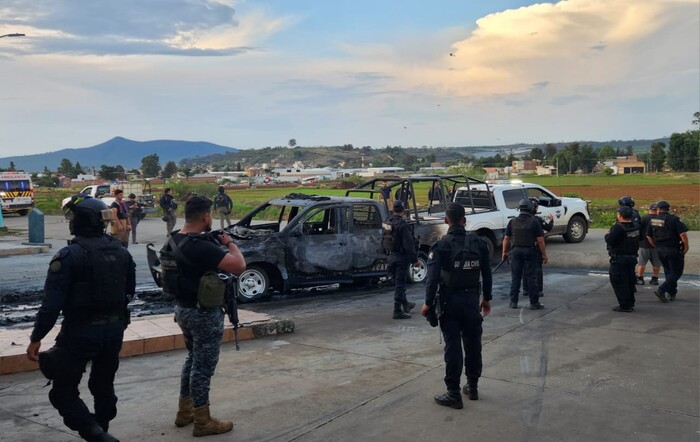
(28, 250)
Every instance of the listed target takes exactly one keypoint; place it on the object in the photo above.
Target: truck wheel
(575, 230)
(253, 284)
(489, 243)
(418, 275)
(23, 212)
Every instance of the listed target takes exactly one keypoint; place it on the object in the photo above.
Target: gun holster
(57, 362)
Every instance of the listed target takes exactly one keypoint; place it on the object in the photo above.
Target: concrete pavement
(575, 371)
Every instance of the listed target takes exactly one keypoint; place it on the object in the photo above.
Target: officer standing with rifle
(88, 281)
(200, 293)
(455, 265)
(525, 234)
(623, 246)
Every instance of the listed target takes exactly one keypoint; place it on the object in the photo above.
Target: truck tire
(253, 284)
(23, 212)
(418, 275)
(575, 230)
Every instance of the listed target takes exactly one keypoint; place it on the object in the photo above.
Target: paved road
(575, 371)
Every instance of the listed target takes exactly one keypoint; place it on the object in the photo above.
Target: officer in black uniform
(403, 255)
(455, 264)
(88, 282)
(629, 202)
(670, 237)
(623, 246)
(546, 227)
(525, 234)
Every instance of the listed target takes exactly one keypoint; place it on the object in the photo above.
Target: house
(525, 166)
(625, 165)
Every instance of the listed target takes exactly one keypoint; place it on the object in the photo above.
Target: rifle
(231, 303)
(434, 311)
(498, 266)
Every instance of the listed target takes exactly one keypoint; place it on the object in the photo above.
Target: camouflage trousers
(202, 329)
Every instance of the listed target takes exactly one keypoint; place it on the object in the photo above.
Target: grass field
(603, 191)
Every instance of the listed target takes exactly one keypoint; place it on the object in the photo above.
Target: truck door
(319, 243)
(511, 198)
(366, 238)
(549, 205)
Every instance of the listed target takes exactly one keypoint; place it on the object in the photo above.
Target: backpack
(463, 270)
(390, 235)
(220, 200)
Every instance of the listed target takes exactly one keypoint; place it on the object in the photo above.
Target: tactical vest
(463, 269)
(630, 243)
(220, 200)
(662, 233)
(100, 288)
(391, 241)
(175, 284)
(523, 231)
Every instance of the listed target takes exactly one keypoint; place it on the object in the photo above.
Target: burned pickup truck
(307, 240)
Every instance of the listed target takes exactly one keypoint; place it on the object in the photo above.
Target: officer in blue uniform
(623, 246)
(89, 282)
(525, 234)
(670, 237)
(455, 265)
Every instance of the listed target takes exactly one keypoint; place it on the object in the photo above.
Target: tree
(536, 154)
(549, 151)
(121, 173)
(66, 168)
(657, 156)
(588, 158)
(12, 166)
(292, 142)
(606, 152)
(150, 166)
(238, 166)
(78, 169)
(430, 158)
(629, 150)
(169, 170)
(108, 172)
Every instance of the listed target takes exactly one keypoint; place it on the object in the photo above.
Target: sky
(251, 74)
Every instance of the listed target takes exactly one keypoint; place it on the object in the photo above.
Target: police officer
(403, 255)
(525, 234)
(546, 227)
(455, 264)
(647, 252)
(623, 245)
(88, 281)
(670, 237)
(169, 206)
(629, 202)
(202, 327)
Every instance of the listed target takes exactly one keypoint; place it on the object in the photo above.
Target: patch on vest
(656, 222)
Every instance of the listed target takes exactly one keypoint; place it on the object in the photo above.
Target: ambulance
(17, 192)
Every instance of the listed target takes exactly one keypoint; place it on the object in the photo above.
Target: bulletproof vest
(463, 269)
(523, 231)
(662, 233)
(391, 242)
(220, 200)
(100, 288)
(176, 284)
(630, 243)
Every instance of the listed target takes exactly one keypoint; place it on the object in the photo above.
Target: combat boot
(205, 425)
(95, 433)
(408, 306)
(654, 280)
(640, 280)
(185, 412)
(450, 399)
(471, 389)
(399, 313)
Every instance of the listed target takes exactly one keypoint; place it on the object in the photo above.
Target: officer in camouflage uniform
(88, 282)
(201, 327)
(455, 264)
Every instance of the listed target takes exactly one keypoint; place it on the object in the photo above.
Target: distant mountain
(118, 150)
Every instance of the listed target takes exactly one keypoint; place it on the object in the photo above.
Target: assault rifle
(434, 311)
(231, 303)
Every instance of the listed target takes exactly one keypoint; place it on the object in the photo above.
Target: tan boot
(185, 412)
(205, 425)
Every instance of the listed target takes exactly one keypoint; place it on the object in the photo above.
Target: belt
(96, 320)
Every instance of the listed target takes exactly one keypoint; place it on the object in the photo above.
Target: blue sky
(412, 73)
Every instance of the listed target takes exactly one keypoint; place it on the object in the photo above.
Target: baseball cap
(653, 206)
(625, 211)
(399, 206)
(663, 205)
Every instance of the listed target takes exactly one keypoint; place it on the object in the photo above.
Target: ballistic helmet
(535, 202)
(626, 201)
(87, 215)
(399, 206)
(525, 205)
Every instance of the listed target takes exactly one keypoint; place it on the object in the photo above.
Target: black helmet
(626, 201)
(535, 201)
(525, 205)
(87, 215)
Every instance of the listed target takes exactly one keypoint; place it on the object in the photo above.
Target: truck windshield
(13, 185)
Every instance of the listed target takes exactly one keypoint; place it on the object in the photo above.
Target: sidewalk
(152, 334)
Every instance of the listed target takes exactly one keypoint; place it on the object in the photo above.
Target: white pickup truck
(101, 191)
(106, 191)
(489, 209)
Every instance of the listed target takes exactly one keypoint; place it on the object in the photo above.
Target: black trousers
(623, 279)
(523, 267)
(398, 269)
(101, 345)
(461, 329)
(673, 261)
